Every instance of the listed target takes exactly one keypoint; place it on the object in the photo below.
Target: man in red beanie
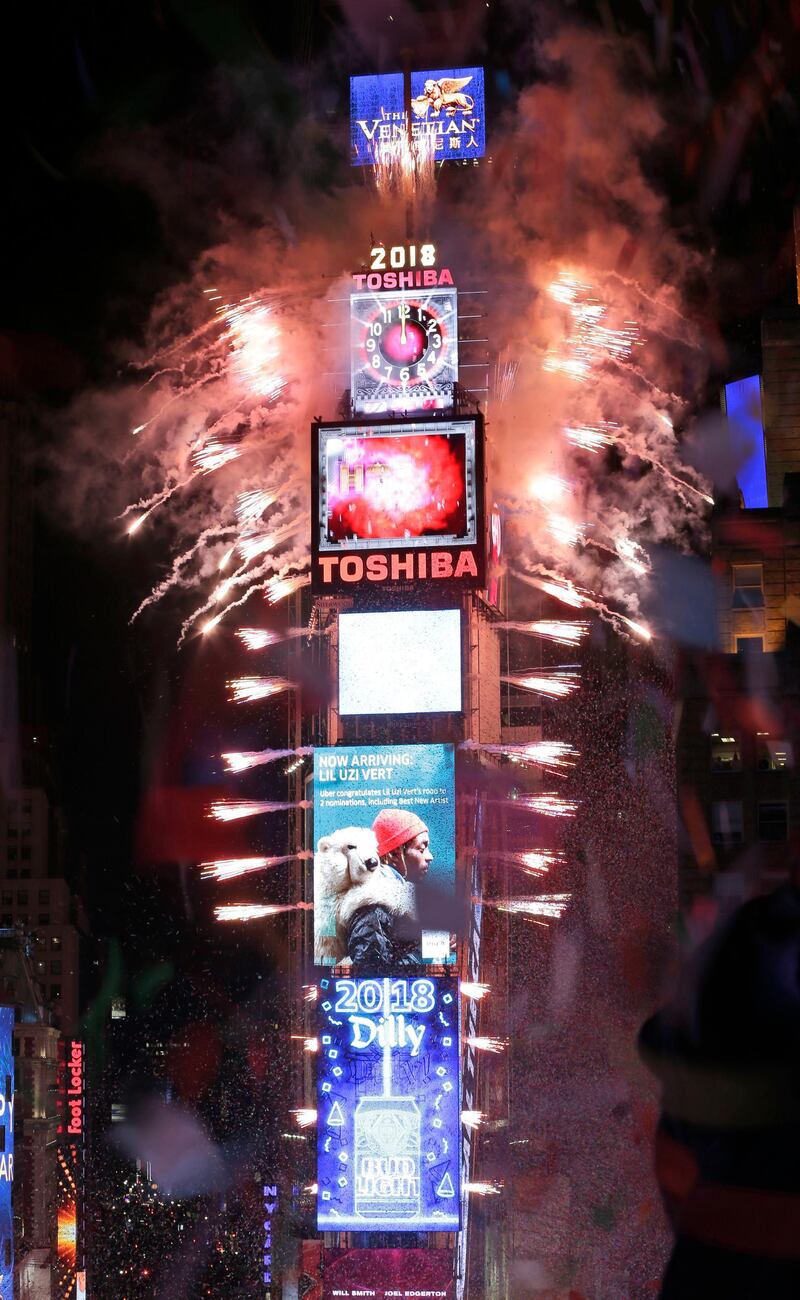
(403, 842)
(385, 934)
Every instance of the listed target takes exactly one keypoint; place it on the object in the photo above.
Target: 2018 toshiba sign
(398, 502)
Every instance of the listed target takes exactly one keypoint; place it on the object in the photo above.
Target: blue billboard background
(376, 114)
(6, 1153)
(353, 783)
(447, 106)
(388, 1105)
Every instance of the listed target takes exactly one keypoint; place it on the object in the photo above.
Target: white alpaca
(348, 875)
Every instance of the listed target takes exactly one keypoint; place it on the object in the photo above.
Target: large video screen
(398, 501)
(384, 860)
(388, 1105)
(448, 118)
(399, 1272)
(6, 1153)
(400, 661)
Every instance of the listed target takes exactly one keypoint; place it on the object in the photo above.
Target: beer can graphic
(387, 1141)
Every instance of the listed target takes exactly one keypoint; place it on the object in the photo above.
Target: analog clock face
(404, 350)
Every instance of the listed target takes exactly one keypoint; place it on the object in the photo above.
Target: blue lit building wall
(746, 425)
(6, 1153)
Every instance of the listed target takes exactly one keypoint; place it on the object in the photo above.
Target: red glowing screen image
(412, 483)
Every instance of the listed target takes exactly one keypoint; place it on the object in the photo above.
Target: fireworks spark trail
(232, 868)
(561, 633)
(278, 588)
(592, 342)
(505, 379)
(475, 992)
(261, 638)
(557, 685)
(246, 690)
(496, 1045)
(472, 1119)
(174, 577)
(310, 993)
(548, 488)
(536, 862)
(309, 1044)
(254, 340)
(252, 544)
(548, 805)
(304, 1116)
(594, 438)
(544, 905)
(244, 760)
(213, 454)
(483, 1189)
(405, 167)
(553, 584)
(259, 579)
(232, 810)
(255, 911)
(551, 755)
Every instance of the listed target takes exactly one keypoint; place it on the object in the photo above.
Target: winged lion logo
(446, 94)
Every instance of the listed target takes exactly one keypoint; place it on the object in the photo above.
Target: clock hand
(402, 326)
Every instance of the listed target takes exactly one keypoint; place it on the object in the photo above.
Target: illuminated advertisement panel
(386, 1273)
(6, 1153)
(448, 117)
(400, 661)
(388, 1105)
(403, 349)
(70, 1274)
(384, 823)
(397, 502)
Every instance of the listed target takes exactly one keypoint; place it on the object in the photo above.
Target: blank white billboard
(406, 661)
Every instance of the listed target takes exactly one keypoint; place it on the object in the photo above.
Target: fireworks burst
(472, 1118)
(560, 633)
(495, 1045)
(231, 868)
(232, 810)
(243, 761)
(245, 690)
(475, 992)
(304, 1116)
(558, 685)
(279, 588)
(483, 1189)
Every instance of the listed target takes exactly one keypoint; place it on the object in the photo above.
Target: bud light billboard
(6, 1153)
(388, 1105)
(447, 116)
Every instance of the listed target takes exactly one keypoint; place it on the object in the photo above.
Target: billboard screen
(384, 829)
(388, 1105)
(448, 116)
(397, 501)
(70, 1173)
(400, 661)
(381, 1273)
(6, 1153)
(403, 350)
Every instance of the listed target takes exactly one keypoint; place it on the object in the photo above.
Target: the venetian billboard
(447, 115)
(397, 502)
(6, 1153)
(384, 861)
(388, 1105)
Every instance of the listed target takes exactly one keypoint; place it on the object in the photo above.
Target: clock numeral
(436, 340)
(404, 374)
(370, 345)
(376, 361)
(376, 329)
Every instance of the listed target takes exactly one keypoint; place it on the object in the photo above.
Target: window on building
(748, 586)
(726, 754)
(6, 919)
(41, 966)
(55, 942)
(773, 755)
(26, 853)
(22, 896)
(726, 822)
(773, 821)
(55, 968)
(13, 833)
(749, 645)
(12, 873)
(44, 918)
(55, 991)
(12, 853)
(8, 899)
(44, 895)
